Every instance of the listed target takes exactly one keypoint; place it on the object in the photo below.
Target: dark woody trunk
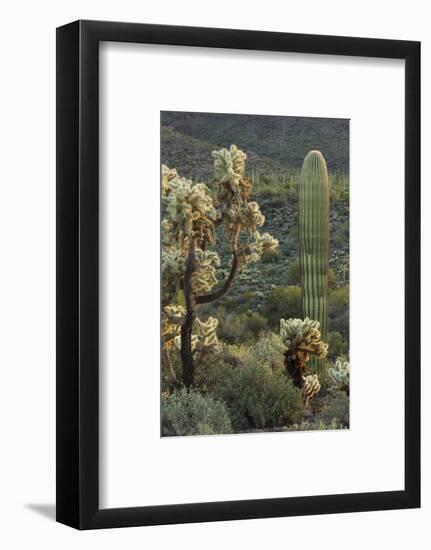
(186, 329)
(191, 301)
(294, 369)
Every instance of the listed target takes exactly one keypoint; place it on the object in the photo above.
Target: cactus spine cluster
(339, 374)
(314, 237)
(301, 340)
(310, 388)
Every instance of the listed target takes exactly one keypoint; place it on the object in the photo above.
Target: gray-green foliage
(319, 425)
(257, 395)
(338, 345)
(336, 409)
(294, 272)
(240, 327)
(283, 302)
(339, 310)
(187, 412)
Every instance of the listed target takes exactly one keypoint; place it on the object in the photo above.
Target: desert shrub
(187, 412)
(339, 297)
(307, 426)
(269, 348)
(336, 409)
(294, 272)
(257, 396)
(240, 327)
(337, 345)
(339, 188)
(338, 310)
(255, 323)
(283, 302)
(331, 278)
(271, 258)
(240, 303)
(341, 237)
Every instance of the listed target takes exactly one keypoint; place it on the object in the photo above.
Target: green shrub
(336, 409)
(240, 327)
(338, 310)
(187, 412)
(339, 297)
(283, 302)
(270, 349)
(257, 396)
(341, 237)
(255, 323)
(307, 426)
(337, 345)
(294, 272)
(271, 257)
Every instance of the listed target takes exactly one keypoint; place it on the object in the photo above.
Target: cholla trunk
(186, 329)
(294, 369)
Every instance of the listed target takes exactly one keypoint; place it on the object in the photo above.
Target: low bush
(283, 302)
(308, 426)
(257, 396)
(337, 345)
(338, 310)
(270, 349)
(336, 410)
(187, 412)
(241, 327)
(294, 272)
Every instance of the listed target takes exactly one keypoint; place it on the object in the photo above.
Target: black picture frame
(78, 274)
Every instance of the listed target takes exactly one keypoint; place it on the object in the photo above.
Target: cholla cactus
(340, 375)
(172, 316)
(302, 341)
(173, 269)
(207, 343)
(310, 388)
(189, 265)
(204, 340)
(189, 209)
(261, 245)
(167, 176)
(229, 172)
(205, 275)
(304, 336)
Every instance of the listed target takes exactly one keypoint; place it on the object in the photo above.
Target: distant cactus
(314, 237)
(340, 375)
(301, 339)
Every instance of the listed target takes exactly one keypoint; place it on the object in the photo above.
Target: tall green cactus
(314, 237)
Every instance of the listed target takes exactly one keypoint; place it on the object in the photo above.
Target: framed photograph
(238, 274)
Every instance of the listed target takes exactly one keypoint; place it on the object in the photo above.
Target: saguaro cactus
(314, 237)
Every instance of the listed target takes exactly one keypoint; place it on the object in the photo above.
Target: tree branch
(207, 298)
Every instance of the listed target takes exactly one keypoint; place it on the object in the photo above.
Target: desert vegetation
(255, 289)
